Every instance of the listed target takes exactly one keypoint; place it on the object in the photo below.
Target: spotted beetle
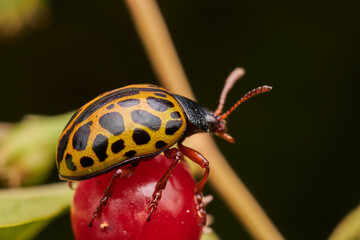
(123, 127)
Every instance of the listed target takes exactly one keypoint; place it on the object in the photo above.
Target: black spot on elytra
(111, 106)
(159, 104)
(73, 116)
(175, 115)
(81, 137)
(172, 126)
(108, 97)
(140, 136)
(160, 94)
(129, 102)
(99, 147)
(118, 146)
(62, 146)
(69, 163)
(160, 144)
(146, 119)
(113, 122)
(86, 161)
(101, 101)
(130, 153)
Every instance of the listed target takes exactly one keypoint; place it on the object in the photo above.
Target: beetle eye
(221, 126)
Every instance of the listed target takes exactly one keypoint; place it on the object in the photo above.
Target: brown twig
(157, 41)
(158, 45)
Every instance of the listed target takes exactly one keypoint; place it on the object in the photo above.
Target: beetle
(121, 128)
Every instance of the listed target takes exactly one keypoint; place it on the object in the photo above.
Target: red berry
(124, 217)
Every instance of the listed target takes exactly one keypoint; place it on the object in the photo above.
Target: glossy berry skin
(125, 214)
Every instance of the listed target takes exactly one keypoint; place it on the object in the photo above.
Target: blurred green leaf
(209, 236)
(26, 211)
(23, 232)
(15, 15)
(348, 228)
(27, 149)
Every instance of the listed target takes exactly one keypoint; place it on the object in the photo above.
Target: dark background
(296, 147)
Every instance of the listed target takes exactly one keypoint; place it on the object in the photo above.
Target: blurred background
(296, 147)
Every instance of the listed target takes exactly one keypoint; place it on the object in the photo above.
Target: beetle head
(218, 126)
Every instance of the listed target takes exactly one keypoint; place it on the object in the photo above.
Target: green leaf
(209, 236)
(26, 211)
(16, 15)
(27, 149)
(23, 232)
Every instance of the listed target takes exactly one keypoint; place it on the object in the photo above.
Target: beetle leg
(121, 172)
(176, 156)
(204, 163)
(71, 185)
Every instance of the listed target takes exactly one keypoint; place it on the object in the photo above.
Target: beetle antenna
(250, 94)
(235, 75)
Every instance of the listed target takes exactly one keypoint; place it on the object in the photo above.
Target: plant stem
(161, 51)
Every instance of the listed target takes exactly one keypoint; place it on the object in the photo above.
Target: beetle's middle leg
(176, 156)
(126, 171)
(204, 163)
